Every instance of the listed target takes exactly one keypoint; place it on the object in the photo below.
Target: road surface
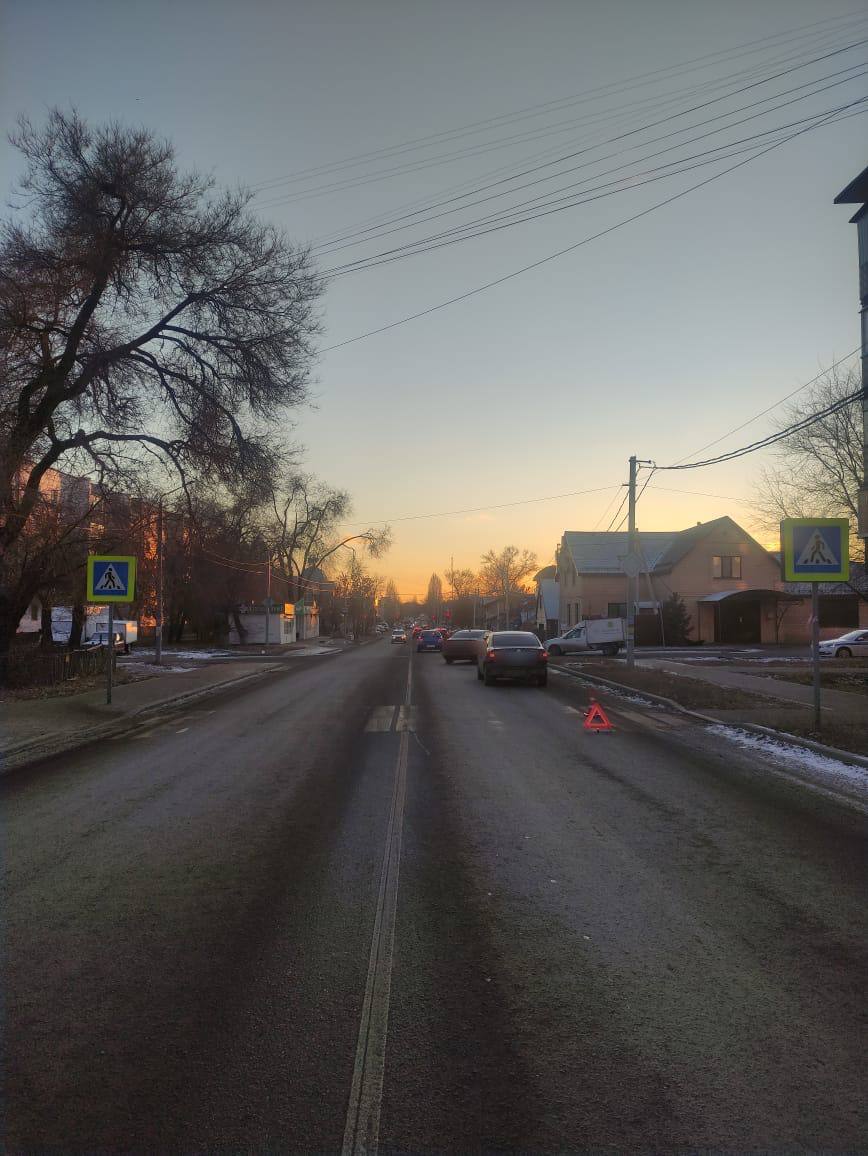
(368, 902)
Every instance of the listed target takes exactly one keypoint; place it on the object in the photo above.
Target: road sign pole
(158, 637)
(111, 654)
(815, 649)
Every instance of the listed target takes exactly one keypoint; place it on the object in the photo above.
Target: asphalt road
(351, 901)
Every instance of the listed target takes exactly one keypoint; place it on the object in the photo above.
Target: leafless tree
(145, 319)
(820, 468)
(434, 597)
(503, 573)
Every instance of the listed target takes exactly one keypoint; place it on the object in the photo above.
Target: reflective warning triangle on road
(596, 719)
(817, 552)
(109, 582)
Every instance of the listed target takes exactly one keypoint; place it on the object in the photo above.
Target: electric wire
(549, 196)
(769, 409)
(426, 203)
(463, 233)
(455, 134)
(561, 252)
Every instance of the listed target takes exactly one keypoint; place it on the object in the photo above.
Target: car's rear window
(467, 634)
(525, 638)
(429, 634)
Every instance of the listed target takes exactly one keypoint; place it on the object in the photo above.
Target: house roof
(602, 553)
(546, 572)
(855, 192)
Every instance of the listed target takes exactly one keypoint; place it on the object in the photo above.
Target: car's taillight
(542, 656)
(491, 655)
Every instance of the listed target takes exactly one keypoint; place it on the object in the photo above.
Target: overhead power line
(831, 27)
(771, 439)
(568, 248)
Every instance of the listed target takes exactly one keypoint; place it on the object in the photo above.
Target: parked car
(605, 634)
(512, 654)
(848, 645)
(429, 640)
(399, 635)
(463, 644)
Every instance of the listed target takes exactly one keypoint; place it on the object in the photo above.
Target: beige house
(730, 584)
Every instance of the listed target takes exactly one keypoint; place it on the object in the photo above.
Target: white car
(847, 646)
(399, 635)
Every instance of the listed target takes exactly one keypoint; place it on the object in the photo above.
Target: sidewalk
(36, 728)
(845, 706)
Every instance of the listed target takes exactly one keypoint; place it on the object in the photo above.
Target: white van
(605, 634)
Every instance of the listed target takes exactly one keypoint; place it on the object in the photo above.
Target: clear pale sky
(652, 340)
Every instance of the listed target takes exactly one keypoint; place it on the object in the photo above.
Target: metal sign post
(111, 578)
(110, 665)
(815, 550)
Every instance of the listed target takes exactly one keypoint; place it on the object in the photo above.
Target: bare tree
(462, 583)
(434, 597)
(502, 573)
(390, 603)
(356, 591)
(820, 467)
(145, 319)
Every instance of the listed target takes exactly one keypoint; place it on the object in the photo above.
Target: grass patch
(687, 692)
(855, 681)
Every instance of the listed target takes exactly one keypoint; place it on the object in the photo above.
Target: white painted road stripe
(362, 1129)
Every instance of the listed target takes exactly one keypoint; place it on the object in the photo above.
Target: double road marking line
(362, 1128)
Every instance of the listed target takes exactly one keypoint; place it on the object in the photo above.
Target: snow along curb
(754, 728)
(32, 751)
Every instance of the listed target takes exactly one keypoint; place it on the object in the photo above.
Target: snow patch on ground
(308, 650)
(833, 770)
(147, 669)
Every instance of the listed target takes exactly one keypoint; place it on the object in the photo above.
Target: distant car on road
(417, 630)
(399, 635)
(429, 640)
(463, 644)
(847, 646)
(512, 654)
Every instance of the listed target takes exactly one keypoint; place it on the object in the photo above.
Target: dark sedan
(463, 644)
(512, 654)
(429, 640)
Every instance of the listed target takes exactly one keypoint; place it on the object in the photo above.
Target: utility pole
(268, 600)
(856, 193)
(158, 638)
(631, 574)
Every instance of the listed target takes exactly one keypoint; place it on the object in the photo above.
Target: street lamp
(856, 193)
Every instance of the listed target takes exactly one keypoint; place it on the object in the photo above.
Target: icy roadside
(823, 770)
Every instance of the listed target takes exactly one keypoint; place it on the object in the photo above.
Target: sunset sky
(654, 339)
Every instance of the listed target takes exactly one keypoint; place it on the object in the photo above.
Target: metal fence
(28, 666)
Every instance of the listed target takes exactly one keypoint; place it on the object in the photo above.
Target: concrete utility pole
(856, 193)
(632, 576)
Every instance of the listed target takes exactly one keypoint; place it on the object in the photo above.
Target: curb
(766, 732)
(16, 757)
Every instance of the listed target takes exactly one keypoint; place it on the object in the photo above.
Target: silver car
(512, 654)
(847, 646)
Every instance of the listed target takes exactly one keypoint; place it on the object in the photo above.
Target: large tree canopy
(143, 315)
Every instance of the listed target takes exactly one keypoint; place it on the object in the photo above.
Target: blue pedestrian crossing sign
(815, 549)
(111, 578)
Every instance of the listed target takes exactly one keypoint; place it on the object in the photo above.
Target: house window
(839, 610)
(578, 612)
(617, 610)
(726, 566)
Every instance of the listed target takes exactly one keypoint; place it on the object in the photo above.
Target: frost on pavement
(824, 768)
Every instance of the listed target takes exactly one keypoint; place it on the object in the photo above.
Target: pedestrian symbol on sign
(817, 552)
(109, 582)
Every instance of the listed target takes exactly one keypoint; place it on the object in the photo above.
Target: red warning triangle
(596, 719)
